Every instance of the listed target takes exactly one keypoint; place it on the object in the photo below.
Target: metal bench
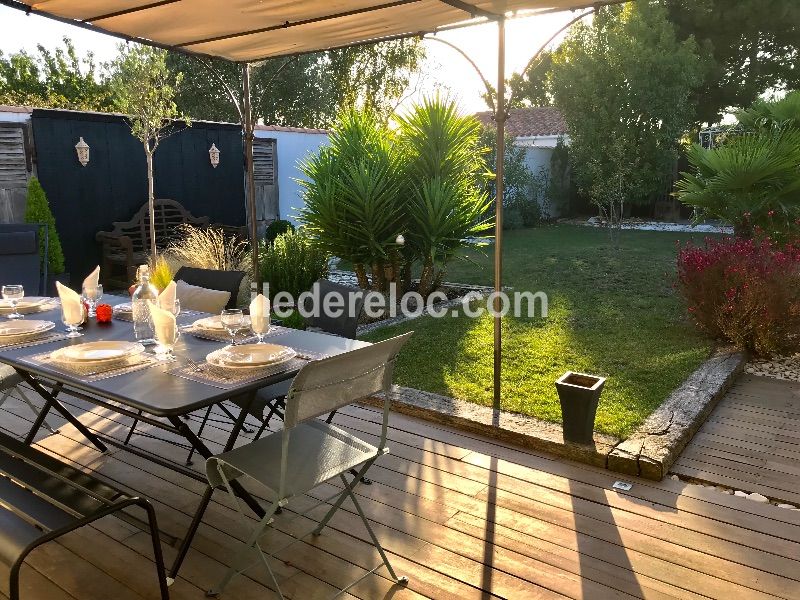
(42, 498)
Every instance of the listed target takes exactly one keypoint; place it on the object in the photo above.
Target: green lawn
(612, 312)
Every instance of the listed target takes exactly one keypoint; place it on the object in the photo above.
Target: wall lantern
(213, 154)
(82, 148)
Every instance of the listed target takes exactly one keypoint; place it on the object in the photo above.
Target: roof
(285, 129)
(251, 30)
(529, 122)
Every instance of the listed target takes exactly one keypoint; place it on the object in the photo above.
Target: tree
(58, 79)
(624, 85)
(750, 47)
(37, 210)
(533, 87)
(309, 90)
(145, 89)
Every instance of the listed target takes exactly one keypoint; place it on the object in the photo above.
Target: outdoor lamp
(82, 148)
(213, 154)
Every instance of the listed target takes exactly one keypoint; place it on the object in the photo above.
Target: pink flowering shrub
(744, 291)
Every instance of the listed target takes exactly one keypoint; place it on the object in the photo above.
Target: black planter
(579, 394)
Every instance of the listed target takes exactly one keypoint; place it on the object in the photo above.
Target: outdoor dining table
(154, 395)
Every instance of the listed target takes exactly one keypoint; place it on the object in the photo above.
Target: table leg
(51, 400)
(203, 451)
(37, 424)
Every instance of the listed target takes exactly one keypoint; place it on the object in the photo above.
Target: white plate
(98, 352)
(126, 307)
(215, 323)
(27, 304)
(24, 327)
(251, 356)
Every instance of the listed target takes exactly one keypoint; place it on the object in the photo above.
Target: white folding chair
(9, 380)
(309, 451)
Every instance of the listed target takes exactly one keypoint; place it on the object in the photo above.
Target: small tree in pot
(145, 89)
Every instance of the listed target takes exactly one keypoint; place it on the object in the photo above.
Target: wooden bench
(42, 498)
(127, 245)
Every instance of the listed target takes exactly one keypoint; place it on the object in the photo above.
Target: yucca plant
(351, 192)
(443, 168)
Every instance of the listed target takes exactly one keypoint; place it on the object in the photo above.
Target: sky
(444, 67)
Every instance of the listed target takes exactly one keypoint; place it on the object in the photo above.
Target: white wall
(294, 145)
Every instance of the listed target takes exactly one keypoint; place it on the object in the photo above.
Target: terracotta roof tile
(528, 122)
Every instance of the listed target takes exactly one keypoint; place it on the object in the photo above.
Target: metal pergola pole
(248, 126)
(500, 122)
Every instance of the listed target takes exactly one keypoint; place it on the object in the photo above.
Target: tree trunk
(378, 277)
(361, 275)
(426, 279)
(151, 205)
(405, 283)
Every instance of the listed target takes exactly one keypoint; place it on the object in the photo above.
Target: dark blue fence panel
(113, 186)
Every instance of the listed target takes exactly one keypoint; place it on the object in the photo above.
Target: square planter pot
(579, 394)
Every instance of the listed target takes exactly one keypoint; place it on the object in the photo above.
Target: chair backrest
(344, 325)
(224, 281)
(20, 261)
(168, 215)
(326, 385)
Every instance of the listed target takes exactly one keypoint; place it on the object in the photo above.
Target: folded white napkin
(259, 314)
(91, 281)
(166, 299)
(71, 304)
(164, 325)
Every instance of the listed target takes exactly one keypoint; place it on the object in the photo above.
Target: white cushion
(193, 297)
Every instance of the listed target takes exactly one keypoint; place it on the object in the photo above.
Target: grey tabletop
(153, 390)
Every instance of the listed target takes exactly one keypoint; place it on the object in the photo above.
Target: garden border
(649, 452)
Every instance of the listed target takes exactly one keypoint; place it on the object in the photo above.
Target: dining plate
(215, 323)
(250, 356)
(24, 327)
(98, 352)
(125, 307)
(27, 304)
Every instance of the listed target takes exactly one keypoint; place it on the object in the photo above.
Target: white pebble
(756, 497)
(740, 494)
(674, 478)
(790, 506)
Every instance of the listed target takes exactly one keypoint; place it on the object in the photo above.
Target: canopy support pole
(500, 121)
(248, 126)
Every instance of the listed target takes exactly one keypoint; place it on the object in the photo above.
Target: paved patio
(463, 517)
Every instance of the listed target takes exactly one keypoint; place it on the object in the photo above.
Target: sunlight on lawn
(612, 313)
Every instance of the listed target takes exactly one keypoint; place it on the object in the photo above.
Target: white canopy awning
(247, 31)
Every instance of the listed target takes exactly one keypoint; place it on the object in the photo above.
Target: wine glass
(72, 322)
(92, 296)
(232, 320)
(164, 346)
(260, 326)
(13, 293)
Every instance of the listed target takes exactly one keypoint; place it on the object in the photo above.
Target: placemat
(52, 304)
(22, 342)
(94, 372)
(223, 378)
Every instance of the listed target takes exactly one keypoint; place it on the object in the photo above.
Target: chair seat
(120, 257)
(317, 452)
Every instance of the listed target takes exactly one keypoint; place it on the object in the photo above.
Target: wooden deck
(463, 518)
(751, 442)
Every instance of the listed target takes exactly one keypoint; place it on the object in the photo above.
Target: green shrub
(751, 180)
(292, 264)
(37, 210)
(277, 228)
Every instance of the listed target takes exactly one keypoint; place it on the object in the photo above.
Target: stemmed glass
(232, 320)
(92, 296)
(260, 326)
(164, 346)
(73, 327)
(13, 293)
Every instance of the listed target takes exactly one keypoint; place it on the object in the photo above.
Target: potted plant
(579, 394)
(37, 210)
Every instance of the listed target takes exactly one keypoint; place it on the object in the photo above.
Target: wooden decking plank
(763, 477)
(732, 480)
